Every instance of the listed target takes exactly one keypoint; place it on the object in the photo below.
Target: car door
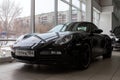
(97, 41)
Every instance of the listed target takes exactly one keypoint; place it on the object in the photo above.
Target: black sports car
(75, 43)
(116, 37)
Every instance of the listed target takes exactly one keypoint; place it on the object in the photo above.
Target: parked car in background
(75, 43)
(115, 33)
(5, 48)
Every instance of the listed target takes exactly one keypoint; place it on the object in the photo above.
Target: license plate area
(25, 53)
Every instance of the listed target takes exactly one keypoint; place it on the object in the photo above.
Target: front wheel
(108, 50)
(85, 57)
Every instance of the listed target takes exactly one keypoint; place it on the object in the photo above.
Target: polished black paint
(78, 44)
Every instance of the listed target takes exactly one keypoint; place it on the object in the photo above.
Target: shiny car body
(75, 43)
(116, 37)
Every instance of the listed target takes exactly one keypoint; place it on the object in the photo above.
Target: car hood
(35, 39)
(116, 31)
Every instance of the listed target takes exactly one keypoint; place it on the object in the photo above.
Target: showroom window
(78, 12)
(96, 16)
(14, 21)
(44, 15)
(76, 3)
(45, 18)
(83, 8)
(74, 15)
(63, 12)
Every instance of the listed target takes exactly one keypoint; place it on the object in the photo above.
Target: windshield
(74, 26)
(58, 28)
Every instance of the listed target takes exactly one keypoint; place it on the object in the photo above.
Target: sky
(24, 4)
(41, 6)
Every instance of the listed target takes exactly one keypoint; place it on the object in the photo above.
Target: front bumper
(116, 45)
(58, 58)
(51, 54)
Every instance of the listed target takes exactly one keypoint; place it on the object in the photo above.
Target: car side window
(92, 27)
(81, 28)
(71, 27)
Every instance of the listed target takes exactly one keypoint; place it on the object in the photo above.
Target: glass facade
(14, 21)
(44, 15)
(47, 15)
(96, 16)
(66, 10)
(63, 12)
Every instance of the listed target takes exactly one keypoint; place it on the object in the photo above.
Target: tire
(85, 57)
(108, 50)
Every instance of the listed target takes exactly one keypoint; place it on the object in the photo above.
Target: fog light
(56, 52)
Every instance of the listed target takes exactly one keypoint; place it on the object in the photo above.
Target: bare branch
(8, 12)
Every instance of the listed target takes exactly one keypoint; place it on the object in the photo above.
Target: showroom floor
(108, 69)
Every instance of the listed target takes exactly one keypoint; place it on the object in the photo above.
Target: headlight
(23, 37)
(19, 38)
(116, 39)
(64, 39)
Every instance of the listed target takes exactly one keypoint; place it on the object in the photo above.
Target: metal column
(32, 25)
(80, 11)
(70, 11)
(89, 10)
(56, 11)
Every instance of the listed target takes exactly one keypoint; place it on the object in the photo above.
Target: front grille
(48, 59)
(25, 58)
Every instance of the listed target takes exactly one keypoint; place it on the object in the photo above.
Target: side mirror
(111, 31)
(97, 31)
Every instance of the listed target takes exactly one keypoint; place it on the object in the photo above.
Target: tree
(8, 12)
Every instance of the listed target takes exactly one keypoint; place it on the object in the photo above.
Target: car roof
(83, 22)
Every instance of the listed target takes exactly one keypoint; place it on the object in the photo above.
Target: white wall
(106, 22)
(107, 9)
(109, 16)
(105, 15)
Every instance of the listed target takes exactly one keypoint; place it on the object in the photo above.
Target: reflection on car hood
(36, 38)
(53, 35)
(116, 31)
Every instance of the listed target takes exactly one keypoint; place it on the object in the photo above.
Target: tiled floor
(108, 69)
